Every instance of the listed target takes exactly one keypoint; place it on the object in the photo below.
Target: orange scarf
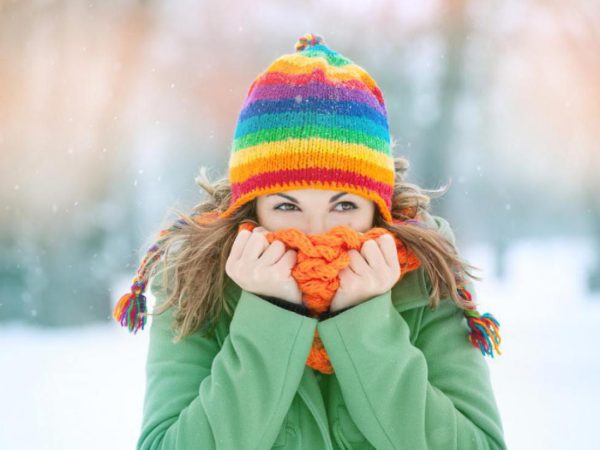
(319, 260)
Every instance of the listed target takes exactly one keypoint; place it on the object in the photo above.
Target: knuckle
(242, 233)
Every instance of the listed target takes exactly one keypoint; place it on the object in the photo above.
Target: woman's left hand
(371, 272)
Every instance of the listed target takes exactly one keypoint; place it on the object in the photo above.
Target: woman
(242, 357)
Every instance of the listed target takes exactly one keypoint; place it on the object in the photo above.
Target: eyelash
(340, 203)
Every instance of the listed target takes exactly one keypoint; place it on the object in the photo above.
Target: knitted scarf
(320, 258)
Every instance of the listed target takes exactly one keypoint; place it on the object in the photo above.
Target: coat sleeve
(433, 394)
(201, 395)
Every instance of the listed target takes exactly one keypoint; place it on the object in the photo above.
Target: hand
(263, 268)
(371, 272)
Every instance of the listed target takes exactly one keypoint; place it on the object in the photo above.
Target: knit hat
(312, 119)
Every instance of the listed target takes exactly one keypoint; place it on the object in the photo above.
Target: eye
(284, 204)
(353, 206)
(281, 206)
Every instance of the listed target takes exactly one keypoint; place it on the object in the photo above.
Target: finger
(343, 274)
(357, 263)
(273, 253)
(387, 244)
(348, 279)
(256, 245)
(239, 243)
(288, 260)
(372, 254)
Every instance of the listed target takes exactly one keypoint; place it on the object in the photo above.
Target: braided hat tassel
(484, 329)
(131, 308)
(484, 332)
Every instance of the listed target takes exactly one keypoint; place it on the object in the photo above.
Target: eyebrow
(331, 200)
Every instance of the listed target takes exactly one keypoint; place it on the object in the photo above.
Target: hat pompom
(309, 39)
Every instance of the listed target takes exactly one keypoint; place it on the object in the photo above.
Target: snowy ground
(83, 388)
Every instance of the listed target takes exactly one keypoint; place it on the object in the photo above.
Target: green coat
(406, 377)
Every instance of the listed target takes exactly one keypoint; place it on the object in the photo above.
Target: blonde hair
(195, 254)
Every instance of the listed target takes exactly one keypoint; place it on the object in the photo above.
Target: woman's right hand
(262, 268)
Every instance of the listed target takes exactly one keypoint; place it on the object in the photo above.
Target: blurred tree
(577, 24)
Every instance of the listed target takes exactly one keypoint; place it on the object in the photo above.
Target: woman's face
(314, 211)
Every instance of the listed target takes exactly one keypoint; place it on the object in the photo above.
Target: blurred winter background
(108, 109)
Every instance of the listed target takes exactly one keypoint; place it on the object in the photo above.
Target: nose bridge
(316, 222)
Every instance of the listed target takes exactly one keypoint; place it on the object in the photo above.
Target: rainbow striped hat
(312, 119)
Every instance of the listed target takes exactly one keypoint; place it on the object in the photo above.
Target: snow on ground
(83, 388)
(546, 380)
(74, 389)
